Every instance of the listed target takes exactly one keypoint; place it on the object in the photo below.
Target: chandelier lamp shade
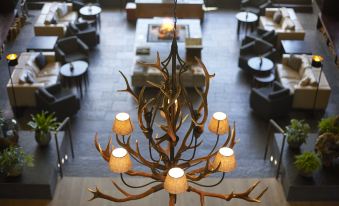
(172, 126)
(120, 161)
(122, 124)
(175, 181)
(225, 160)
(219, 123)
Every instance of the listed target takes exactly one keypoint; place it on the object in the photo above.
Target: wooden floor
(72, 191)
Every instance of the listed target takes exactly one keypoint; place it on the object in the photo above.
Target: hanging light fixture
(169, 170)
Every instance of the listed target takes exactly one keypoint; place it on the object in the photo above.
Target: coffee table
(246, 19)
(75, 73)
(146, 49)
(42, 43)
(296, 47)
(91, 12)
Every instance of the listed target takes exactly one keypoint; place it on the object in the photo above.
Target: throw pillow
(40, 61)
(61, 10)
(304, 82)
(277, 16)
(309, 73)
(49, 18)
(22, 78)
(46, 95)
(288, 24)
(294, 62)
(29, 78)
(54, 21)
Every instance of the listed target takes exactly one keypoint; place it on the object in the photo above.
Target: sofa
(303, 82)
(27, 77)
(54, 19)
(286, 27)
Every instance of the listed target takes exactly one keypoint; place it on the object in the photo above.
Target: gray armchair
(254, 49)
(255, 6)
(64, 103)
(85, 32)
(261, 34)
(270, 102)
(71, 49)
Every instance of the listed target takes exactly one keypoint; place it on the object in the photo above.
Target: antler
(157, 65)
(98, 194)
(244, 195)
(128, 88)
(109, 147)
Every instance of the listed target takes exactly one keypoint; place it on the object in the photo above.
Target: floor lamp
(317, 63)
(12, 61)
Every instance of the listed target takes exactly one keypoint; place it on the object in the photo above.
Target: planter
(15, 171)
(306, 174)
(294, 145)
(42, 138)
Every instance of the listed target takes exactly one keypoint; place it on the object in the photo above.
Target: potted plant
(43, 123)
(13, 160)
(307, 163)
(297, 133)
(330, 124)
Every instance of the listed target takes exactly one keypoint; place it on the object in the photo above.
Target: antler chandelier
(169, 170)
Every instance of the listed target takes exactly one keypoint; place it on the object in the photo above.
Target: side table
(91, 12)
(246, 19)
(75, 73)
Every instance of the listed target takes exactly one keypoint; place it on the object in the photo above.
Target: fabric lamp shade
(120, 161)
(226, 158)
(122, 124)
(12, 59)
(219, 123)
(175, 181)
(317, 61)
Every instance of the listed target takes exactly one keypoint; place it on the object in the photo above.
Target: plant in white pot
(307, 163)
(43, 124)
(13, 160)
(297, 133)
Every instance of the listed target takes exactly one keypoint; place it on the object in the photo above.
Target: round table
(74, 73)
(262, 70)
(247, 19)
(260, 65)
(91, 12)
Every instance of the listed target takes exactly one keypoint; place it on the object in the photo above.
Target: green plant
(297, 131)
(330, 124)
(43, 122)
(307, 162)
(13, 156)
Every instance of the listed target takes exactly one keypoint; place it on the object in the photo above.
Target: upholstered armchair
(71, 49)
(64, 103)
(255, 6)
(269, 36)
(270, 102)
(254, 49)
(85, 32)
